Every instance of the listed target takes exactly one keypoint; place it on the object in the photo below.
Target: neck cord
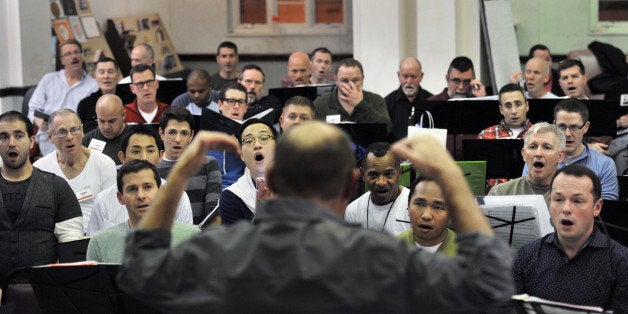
(387, 213)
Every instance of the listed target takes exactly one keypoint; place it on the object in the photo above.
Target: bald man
(537, 74)
(142, 54)
(107, 138)
(199, 94)
(299, 69)
(300, 256)
(404, 102)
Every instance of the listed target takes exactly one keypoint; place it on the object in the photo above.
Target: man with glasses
(572, 117)
(257, 141)
(88, 172)
(461, 81)
(62, 89)
(146, 108)
(252, 77)
(39, 208)
(176, 129)
(348, 102)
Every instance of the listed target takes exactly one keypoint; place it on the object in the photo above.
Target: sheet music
(525, 227)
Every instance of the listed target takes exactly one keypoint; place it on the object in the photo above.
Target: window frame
(604, 27)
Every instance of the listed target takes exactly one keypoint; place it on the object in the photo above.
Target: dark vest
(31, 240)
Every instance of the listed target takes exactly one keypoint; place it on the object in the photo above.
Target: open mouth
(538, 165)
(566, 222)
(70, 146)
(426, 227)
(571, 88)
(259, 157)
(13, 154)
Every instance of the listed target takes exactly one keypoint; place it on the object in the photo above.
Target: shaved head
(110, 116)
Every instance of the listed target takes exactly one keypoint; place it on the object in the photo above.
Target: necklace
(387, 213)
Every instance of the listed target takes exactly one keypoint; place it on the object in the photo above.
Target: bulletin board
(73, 19)
(149, 28)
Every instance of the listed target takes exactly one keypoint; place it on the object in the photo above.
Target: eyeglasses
(263, 139)
(571, 128)
(72, 53)
(63, 132)
(148, 83)
(232, 102)
(457, 81)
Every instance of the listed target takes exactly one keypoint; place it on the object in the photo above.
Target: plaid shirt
(501, 131)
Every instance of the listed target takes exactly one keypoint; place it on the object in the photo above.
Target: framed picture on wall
(63, 30)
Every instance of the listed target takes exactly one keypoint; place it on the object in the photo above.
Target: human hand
(599, 147)
(622, 122)
(350, 94)
(477, 88)
(41, 124)
(516, 77)
(194, 154)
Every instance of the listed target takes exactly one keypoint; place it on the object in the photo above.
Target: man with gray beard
(404, 102)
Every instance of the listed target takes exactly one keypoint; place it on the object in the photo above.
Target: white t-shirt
(379, 218)
(99, 173)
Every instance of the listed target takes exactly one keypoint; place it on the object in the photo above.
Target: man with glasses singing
(461, 81)
(87, 171)
(238, 201)
(62, 89)
(572, 117)
(146, 108)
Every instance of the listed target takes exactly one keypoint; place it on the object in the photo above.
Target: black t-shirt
(13, 194)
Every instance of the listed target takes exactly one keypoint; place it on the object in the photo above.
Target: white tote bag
(440, 134)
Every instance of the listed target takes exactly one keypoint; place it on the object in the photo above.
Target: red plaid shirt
(500, 131)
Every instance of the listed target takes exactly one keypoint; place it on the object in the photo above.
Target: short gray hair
(544, 127)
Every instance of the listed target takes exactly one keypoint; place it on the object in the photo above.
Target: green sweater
(107, 245)
(449, 246)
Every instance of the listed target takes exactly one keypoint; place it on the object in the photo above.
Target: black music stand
(613, 220)
(285, 93)
(73, 251)
(82, 289)
(365, 134)
(503, 156)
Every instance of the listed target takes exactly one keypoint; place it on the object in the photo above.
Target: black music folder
(82, 288)
(503, 156)
(365, 134)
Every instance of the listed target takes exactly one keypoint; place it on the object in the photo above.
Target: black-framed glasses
(63, 132)
(148, 83)
(263, 139)
(232, 102)
(571, 128)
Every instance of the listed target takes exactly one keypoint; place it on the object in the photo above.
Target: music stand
(73, 251)
(285, 93)
(613, 220)
(82, 289)
(365, 134)
(168, 90)
(517, 219)
(503, 156)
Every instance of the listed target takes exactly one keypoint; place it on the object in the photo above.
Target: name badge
(333, 118)
(84, 194)
(97, 145)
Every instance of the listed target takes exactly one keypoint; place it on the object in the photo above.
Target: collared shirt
(596, 276)
(400, 110)
(601, 164)
(502, 130)
(298, 256)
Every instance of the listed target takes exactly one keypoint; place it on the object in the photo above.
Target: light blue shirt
(602, 165)
(54, 93)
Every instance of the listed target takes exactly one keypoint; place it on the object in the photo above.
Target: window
(609, 16)
(288, 17)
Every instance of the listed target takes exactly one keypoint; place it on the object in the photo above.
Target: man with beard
(199, 94)
(461, 81)
(252, 78)
(572, 117)
(543, 149)
(403, 102)
(257, 141)
(62, 89)
(384, 207)
(299, 70)
(41, 209)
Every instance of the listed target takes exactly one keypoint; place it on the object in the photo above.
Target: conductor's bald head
(313, 161)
